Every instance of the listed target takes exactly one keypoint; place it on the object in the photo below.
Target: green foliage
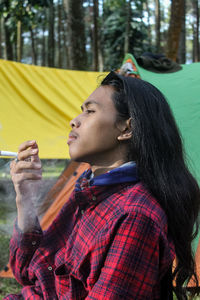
(26, 11)
(4, 209)
(114, 30)
(4, 250)
(8, 286)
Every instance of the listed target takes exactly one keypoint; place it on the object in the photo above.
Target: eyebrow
(87, 103)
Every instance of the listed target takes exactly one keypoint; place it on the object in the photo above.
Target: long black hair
(156, 146)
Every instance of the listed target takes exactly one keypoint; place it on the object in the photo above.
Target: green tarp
(182, 90)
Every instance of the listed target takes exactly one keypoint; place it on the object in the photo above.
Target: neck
(101, 169)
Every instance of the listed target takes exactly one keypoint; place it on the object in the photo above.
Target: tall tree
(44, 22)
(182, 43)
(76, 34)
(95, 35)
(0, 37)
(177, 10)
(65, 59)
(51, 41)
(19, 16)
(33, 46)
(59, 34)
(157, 25)
(147, 8)
(128, 26)
(114, 31)
(100, 44)
(196, 54)
(5, 11)
(8, 43)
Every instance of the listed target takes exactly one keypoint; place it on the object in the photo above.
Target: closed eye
(89, 111)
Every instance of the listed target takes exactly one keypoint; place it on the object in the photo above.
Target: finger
(26, 145)
(28, 151)
(23, 174)
(22, 166)
(27, 154)
(16, 177)
(19, 178)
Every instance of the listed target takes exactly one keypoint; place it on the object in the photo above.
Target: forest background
(89, 35)
(96, 34)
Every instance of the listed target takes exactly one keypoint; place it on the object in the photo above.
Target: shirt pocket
(68, 286)
(62, 281)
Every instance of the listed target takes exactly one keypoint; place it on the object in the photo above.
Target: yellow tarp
(38, 103)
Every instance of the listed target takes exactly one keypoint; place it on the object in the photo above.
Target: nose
(75, 123)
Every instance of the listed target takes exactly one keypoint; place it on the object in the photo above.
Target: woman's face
(94, 134)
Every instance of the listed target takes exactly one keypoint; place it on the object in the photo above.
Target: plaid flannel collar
(90, 190)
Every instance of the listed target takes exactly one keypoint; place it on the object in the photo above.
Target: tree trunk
(51, 43)
(65, 42)
(127, 33)
(8, 44)
(101, 37)
(148, 23)
(182, 43)
(76, 34)
(157, 16)
(44, 39)
(3, 39)
(7, 34)
(95, 35)
(65, 39)
(59, 63)
(0, 38)
(196, 54)
(19, 41)
(177, 9)
(33, 50)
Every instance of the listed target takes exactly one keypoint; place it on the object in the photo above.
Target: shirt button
(94, 198)
(50, 268)
(82, 211)
(33, 243)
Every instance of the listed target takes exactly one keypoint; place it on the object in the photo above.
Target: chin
(88, 157)
(78, 158)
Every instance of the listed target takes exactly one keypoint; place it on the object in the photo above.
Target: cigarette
(8, 153)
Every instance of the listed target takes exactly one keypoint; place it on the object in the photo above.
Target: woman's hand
(26, 173)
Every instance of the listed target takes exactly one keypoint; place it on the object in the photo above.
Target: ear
(126, 130)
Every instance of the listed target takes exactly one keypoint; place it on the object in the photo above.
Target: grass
(7, 285)
(4, 249)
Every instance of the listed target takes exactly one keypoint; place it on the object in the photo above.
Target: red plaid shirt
(108, 242)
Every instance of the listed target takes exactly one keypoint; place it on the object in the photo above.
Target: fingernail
(31, 142)
(34, 151)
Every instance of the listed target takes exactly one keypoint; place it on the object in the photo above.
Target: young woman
(129, 214)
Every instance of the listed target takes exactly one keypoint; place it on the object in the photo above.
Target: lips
(72, 137)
